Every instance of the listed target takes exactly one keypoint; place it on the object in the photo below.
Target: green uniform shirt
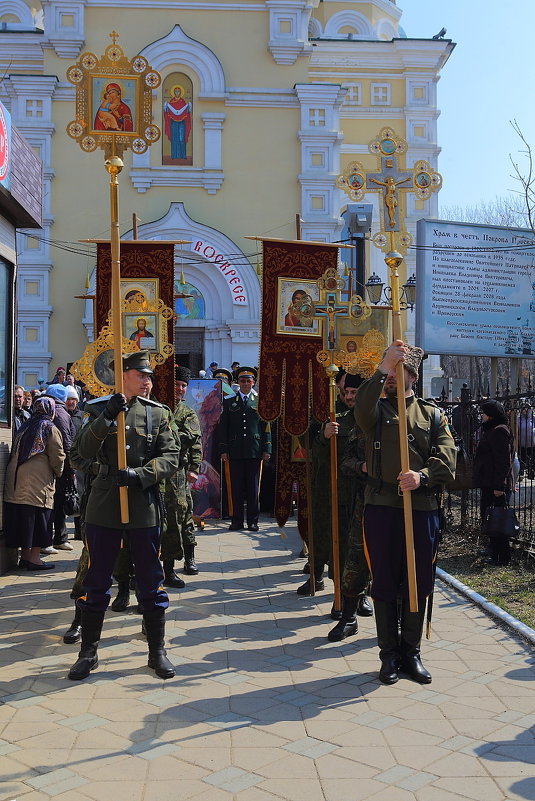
(188, 427)
(153, 454)
(439, 468)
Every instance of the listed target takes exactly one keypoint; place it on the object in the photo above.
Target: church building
(262, 105)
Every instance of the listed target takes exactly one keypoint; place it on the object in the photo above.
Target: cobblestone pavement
(263, 707)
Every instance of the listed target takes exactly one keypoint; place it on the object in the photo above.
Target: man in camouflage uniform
(152, 456)
(178, 538)
(356, 574)
(432, 456)
(321, 492)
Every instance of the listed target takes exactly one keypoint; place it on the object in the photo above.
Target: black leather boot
(73, 634)
(170, 578)
(190, 567)
(319, 583)
(386, 621)
(122, 599)
(347, 625)
(364, 607)
(155, 631)
(412, 624)
(87, 658)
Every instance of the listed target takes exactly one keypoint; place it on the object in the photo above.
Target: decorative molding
(261, 98)
(352, 19)
(21, 51)
(143, 179)
(178, 48)
(288, 30)
(67, 40)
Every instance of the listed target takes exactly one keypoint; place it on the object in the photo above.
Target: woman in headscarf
(36, 461)
(493, 469)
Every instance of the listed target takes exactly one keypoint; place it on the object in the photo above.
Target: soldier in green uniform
(178, 537)
(432, 457)
(321, 491)
(244, 441)
(356, 574)
(152, 456)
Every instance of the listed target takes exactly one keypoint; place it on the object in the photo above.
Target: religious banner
(147, 277)
(291, 379)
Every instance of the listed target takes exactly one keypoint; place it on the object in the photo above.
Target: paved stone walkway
(263, 707)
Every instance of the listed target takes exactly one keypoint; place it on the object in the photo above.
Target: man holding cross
(432, 456)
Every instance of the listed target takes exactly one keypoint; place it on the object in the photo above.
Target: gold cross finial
(113, 36)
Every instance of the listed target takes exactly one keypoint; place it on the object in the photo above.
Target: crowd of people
(64, 461)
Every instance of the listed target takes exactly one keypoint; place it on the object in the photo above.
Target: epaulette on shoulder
(151, 402)
(431, 403)
(97, 400)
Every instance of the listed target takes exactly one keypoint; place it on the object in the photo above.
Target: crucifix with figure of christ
(422, 180)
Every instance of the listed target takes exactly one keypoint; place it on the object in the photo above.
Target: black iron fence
(464, 415)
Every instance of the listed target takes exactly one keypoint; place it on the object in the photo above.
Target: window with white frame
(354, 94)
(380, 94)
(316, 117)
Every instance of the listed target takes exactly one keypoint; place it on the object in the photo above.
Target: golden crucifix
(392, 182)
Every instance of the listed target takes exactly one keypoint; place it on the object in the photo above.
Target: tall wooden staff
(332, 307)
(114, 128)
(393, 182)
(114, 165)
(393, 259)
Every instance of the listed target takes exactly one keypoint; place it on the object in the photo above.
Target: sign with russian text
(475, 289)
(5, 145)
(227, 267)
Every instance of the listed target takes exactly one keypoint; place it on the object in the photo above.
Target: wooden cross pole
(393, 182)
(331, 307)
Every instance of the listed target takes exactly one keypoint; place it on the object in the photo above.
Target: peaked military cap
(225, 375)
(182, 374)
(139, 360)
(247, 371)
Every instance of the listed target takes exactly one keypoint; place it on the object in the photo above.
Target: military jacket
(188, 427)
(154, 455)
(242, 434)
(383, 469)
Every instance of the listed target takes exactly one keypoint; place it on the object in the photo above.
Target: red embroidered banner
(291, 379)
(139, 261)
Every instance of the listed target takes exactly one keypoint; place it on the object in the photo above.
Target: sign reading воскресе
(475, 289)
(5, 145)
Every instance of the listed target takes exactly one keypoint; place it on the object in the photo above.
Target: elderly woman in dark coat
(493, 468)
(36, 461)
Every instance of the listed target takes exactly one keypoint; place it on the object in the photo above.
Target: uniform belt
(107, 470)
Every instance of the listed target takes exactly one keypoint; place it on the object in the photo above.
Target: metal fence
(465, 418)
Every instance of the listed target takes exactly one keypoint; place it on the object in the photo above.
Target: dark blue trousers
(384, 546)
(244, 478)
(103, 545)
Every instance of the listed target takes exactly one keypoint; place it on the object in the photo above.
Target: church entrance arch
(217, 294)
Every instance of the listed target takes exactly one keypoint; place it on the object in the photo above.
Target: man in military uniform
(244, 441)
(178, 536)
(432, 457)
(152, 456)
(342, 429)
(355, 574)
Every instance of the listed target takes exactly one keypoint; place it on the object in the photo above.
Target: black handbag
(71, 499)
(500, 521)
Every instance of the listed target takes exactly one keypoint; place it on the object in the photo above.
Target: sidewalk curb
(491, 609)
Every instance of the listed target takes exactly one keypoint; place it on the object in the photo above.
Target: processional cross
(422, 180)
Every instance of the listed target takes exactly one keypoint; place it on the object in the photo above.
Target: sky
(486, 83)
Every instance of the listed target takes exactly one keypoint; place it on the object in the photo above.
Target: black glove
(128, 478)
(116, 404)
